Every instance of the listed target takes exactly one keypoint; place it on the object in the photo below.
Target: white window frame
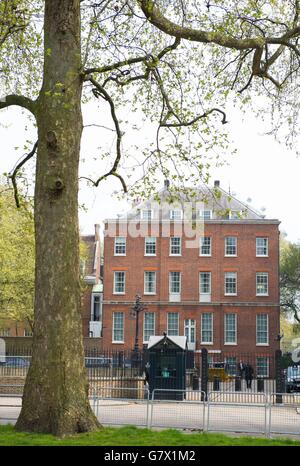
(268, 367)
(226, 245)
(144, 217)
(257, 246)
(203, 216)
(236, 284)
(188, 327)
(265, 274)
(267, 331)
(202, 238)
(212, 329)
(178, 317)
(145, 247)
(201, 282)
(226, 342)
(119, 292)
(170, 283)
(113, 327)
(180, 246)
(149, 272)
(115, 245)
(174, 214)
(144, 326)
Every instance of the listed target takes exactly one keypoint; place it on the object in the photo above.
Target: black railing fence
(205, 370)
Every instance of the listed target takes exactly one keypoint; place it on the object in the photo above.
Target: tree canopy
(16, 259)
(290, 280)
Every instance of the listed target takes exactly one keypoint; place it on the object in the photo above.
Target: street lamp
(135, 311)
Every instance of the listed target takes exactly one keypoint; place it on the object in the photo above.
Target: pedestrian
(241, 369)
(248, 375)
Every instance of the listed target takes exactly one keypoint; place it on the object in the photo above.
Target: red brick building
(91, 301)
(209, 271)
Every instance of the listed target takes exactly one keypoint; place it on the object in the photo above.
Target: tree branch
(155, 17)
(13, 176)
(99, 91)
(18, 100)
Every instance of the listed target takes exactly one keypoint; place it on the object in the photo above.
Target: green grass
(132, 436)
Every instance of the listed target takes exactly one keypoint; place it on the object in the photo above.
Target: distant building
(92, 297)
(220, 290)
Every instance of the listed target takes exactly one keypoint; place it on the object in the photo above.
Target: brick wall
(246, 304)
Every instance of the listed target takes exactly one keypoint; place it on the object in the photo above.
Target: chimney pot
(217, 184)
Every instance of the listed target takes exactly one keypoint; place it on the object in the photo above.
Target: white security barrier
(237, 412)
(284, 413)
(121, 406)
(182, 409)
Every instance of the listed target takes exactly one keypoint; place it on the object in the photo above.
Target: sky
(262, 170)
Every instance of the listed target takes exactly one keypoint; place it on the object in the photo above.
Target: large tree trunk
(56, 391)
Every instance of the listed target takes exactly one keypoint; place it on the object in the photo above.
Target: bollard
(238, 384)
(216, 385)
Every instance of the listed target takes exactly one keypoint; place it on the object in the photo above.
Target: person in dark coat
(248, 375)
(241, 369)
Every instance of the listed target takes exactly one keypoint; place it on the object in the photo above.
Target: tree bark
(55, 396)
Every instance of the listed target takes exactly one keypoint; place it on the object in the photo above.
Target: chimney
(97, 232)
(217, 184)
(166, 184)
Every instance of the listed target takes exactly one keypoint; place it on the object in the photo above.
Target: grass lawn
(132, 436)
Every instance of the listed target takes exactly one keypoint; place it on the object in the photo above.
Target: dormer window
(176, 214)
(146, 214)
(205, 214)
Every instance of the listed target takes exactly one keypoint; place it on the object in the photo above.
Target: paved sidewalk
(183, 415)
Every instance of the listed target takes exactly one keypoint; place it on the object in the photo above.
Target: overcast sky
(263, 170)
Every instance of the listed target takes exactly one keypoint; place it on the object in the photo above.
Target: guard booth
(167, 366)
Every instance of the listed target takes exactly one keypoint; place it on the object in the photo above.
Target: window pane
(190, 330)
(231, 365)
(205, 282)
(118, 326)
(207, 328)
(205, 214)
(230, 246)
(119, 282)
(262, 283)
(176, 214)
(150, 245)
(120, 245)
(150, 282)
(175, 282)
(262, 336)
(230, 328)
(175, 245)
(230, 283)
(173, 323)
(147, 214)
(262, 366)
(149, 325)
(261, 246)
(205, 246)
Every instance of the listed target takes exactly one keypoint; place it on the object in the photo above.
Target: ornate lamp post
(135, 311)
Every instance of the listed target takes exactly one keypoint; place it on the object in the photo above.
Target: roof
(206, 198)
(179, 341)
